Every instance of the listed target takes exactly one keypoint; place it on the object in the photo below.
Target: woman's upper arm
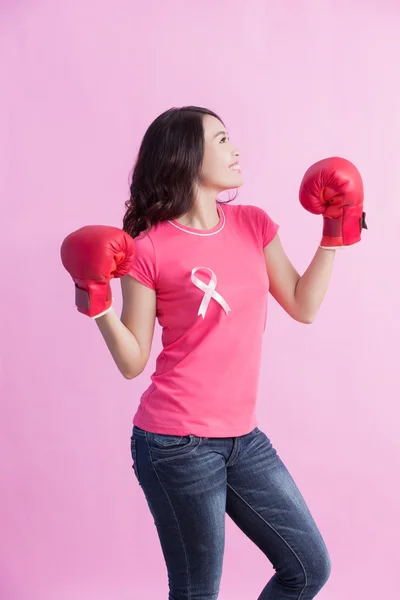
(282, 275)
(139, 312)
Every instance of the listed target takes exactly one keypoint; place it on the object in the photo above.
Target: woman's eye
(224, 139)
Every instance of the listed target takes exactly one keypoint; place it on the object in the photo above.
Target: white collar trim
(222, 225)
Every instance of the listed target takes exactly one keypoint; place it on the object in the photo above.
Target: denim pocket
(163, 446)
(166, 441)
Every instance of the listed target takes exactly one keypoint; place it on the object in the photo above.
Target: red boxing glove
(333, 188)
(93, 255)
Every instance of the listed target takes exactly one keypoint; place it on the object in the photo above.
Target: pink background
(295, 82)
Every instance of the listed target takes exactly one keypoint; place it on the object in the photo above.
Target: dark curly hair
(166, 169)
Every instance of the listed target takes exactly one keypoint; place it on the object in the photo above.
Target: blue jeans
(190, 482)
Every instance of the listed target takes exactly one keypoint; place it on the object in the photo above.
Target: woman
(204, 269)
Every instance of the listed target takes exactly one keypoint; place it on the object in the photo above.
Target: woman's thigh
(185, 488)
(265, 502)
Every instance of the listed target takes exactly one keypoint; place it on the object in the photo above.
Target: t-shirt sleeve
(265, 228)
(144, 266)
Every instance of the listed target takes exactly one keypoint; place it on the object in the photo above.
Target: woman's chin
(229, 184)
(234, 182)
(239, 181)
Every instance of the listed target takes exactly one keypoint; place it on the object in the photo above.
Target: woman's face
(220, 169)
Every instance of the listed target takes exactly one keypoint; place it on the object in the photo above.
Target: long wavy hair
(167, 168)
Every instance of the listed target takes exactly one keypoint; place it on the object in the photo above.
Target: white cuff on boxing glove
(333, 247)
(104, 312)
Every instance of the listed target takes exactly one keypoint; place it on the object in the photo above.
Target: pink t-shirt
(212, 290)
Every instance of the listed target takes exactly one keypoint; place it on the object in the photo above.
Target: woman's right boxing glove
(93, 255)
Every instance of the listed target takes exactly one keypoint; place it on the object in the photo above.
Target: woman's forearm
(313, 284)
(122, 344)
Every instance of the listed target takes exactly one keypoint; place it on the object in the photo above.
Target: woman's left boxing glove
(333, 187)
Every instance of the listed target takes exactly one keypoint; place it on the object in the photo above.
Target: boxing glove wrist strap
(95, 301)
(343, 231)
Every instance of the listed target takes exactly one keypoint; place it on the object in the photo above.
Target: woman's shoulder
(147, 237)
(246, 211)
(255, 220)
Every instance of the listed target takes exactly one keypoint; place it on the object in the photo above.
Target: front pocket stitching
(163, 459)
(177, 441)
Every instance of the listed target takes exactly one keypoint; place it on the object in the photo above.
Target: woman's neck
(203, 215)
